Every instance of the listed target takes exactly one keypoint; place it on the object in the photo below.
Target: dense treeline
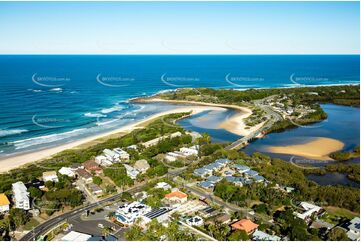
(346, 155)
(352, 170)
(345, 95)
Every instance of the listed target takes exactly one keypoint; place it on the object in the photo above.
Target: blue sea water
(50, 100)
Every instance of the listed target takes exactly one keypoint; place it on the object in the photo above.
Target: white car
(101, 226)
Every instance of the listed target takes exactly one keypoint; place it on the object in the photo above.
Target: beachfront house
(67, 171)
(91, 166)
(50, 176)
(20, 196)
(122, 154)
(4, 203)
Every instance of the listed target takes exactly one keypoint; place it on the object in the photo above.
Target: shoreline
(17, 161)
(233, 124)
(318, 149)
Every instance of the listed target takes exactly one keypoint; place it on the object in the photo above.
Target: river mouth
(304, 145)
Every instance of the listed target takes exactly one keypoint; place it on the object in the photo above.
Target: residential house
(202, 172)
(95, 189)
(177, 197)
(353, 228)
(193, 150)
(141, 165)
(50, 176)
(259, 178)
(103, 160)
(36, 183)
(208, 212)
(21, 196)
(76, 236)
(67, 171)
(214, 179)
(307, 210)
(76, 166)
(262, 236)
(84, 175)
(195, 221)
(246, 225)
(122, 154)
(131, 171)
(129, 212)
(222, 218)
(240, 168)
(251, 173)
(4, 203)
(206, 185)
(92, 166)
(163, 185)
(161, 214)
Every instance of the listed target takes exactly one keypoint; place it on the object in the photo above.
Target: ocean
(50, 100)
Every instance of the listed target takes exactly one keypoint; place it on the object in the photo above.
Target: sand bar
(317, 149)
(11, 162)
(234, 124)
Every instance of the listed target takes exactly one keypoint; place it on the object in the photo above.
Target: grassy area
(31, 224)
(340, 212)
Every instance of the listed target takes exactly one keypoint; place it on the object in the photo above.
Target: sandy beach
(317, 149)
(8, 163)
(233, 124)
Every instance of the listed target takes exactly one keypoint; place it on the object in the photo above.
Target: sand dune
(317, 149)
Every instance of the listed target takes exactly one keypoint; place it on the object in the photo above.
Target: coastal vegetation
(346, 155)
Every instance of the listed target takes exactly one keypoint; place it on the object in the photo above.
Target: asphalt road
(44, 227)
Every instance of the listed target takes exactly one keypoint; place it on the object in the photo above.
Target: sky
(179, 28)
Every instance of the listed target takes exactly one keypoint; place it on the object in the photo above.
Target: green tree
(97, 180)
(337, 234)
(18, 216)
(238, 235)
(35, 192)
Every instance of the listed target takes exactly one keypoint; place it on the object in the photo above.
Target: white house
(123, 155)
(103, 160)
(156, 140)
(75, 236)
(21, 196)
(190, 151)
(111, 155)
(66, 171)
(163, 185)
(129, 212)
(131, 171)
(50, 176)
(4, 203)
(353, 228)
(308, 210)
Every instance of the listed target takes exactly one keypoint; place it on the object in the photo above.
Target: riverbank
(319, 149)
(234, 124)
(8, 163)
